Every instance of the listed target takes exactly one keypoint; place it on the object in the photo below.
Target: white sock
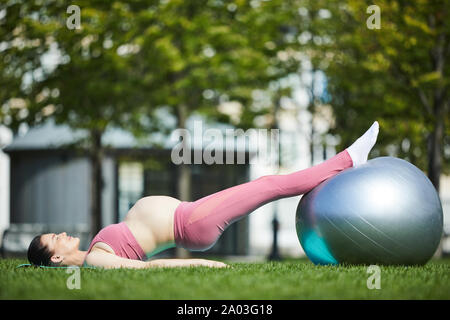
(359, 150)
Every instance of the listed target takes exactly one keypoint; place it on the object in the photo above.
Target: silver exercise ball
(383, 212)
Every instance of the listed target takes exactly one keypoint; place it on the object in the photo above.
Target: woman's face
(60, 244)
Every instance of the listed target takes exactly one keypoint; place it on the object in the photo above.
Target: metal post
(274, 254)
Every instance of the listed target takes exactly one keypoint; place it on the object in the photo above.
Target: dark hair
(39, 254)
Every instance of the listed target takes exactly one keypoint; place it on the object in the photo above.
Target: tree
(91, 85)
(195, 55)
(398, 74)
(130, 58)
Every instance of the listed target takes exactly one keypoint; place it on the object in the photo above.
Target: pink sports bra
(119, 237)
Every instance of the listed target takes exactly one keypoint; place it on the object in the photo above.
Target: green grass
(292, 279)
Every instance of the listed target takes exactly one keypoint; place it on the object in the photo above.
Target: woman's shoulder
(94, 248)
(99, 242)
(102, 246)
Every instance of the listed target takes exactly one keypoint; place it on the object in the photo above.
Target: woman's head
(52, 249)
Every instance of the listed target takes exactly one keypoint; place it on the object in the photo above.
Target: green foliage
(391, 74)
(131, 57)
(89, 84)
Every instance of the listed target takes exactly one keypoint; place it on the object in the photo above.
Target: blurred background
(91, 91)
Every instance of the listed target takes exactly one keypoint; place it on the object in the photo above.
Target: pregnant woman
(156, 223)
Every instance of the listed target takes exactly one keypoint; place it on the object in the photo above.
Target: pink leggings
(198, 224)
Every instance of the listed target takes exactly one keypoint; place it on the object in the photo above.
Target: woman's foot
(359, 150)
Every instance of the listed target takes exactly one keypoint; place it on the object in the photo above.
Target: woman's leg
(198, 224)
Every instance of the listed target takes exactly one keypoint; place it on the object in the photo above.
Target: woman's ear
(56, 259)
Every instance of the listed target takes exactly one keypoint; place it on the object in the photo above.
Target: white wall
(5, 139)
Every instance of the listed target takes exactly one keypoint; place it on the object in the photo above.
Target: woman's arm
(171, 263)
(104, 259)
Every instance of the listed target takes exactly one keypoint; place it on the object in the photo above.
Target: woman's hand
(209, 263)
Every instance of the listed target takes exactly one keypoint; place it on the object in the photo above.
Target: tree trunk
(435, 143)
(96, 156)
(436, 138)
(312, 109)
(184, 172)
(437, 110)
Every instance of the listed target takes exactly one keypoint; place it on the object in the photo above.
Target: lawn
(291, 279)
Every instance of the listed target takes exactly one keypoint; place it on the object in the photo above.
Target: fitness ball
(385, 211)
